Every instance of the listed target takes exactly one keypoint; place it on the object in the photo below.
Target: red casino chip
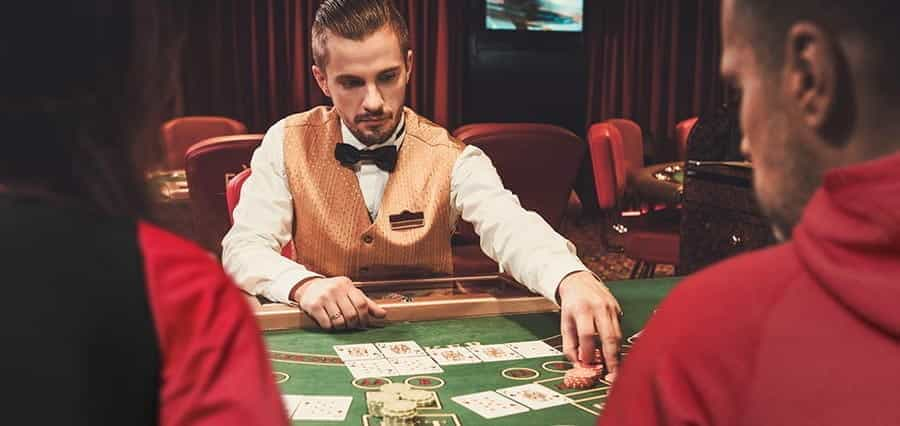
(580, 378)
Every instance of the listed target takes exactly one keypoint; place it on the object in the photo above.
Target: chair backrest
(178, 134)
(233, 195)
(607, 161)
(210, 165)
(537, 162)
(233, 192)
(682, 131)
(632, 142)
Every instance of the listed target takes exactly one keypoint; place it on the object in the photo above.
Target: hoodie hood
(849, 240)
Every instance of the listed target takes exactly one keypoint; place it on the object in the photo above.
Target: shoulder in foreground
(738, 292)
(165, 252)
(318, 116)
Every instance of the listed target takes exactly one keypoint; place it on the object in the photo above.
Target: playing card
(400, 349)
(490, 353)
(415, 365)
(357, 352)
(489, 405)
(535, 349)
(290, 403)
(371, 368)
(453, 356)
(333, 408)
(534, 396)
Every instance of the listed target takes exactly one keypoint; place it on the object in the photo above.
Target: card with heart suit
(534, 396)
(331, 408)
(357, 352)
(489, 405)
(290, 403)
(415, 365)
(371, 368)
(535, 349)
(489, 353)
(453, 356)
(400, 349)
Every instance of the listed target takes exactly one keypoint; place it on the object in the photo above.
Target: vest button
(368, 239)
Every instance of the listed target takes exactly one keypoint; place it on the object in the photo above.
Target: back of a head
(354, 20)
(870, 23)
(83, 83)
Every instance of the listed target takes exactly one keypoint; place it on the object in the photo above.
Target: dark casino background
(636, 77)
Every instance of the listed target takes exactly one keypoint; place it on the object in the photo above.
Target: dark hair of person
(354, 20)
(873, 22)
(84, 84)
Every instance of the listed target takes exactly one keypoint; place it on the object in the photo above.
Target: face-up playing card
(415, 365)
(357, 352)
(536, 349)
(371, 368)
(488, 353)
(400, 349)
(290, 403)
(332, 408)
(489, 405)
(453, 356)
(534, 396)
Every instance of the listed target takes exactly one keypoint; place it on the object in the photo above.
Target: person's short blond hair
(355, 20)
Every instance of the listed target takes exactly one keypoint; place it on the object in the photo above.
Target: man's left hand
(588, 309)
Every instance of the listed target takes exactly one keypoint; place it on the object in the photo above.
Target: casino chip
(420, 397)
(580, 378)
(395, 388)
(399, 413)
(375, 401)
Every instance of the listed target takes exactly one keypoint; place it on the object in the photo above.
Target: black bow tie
(385, 157)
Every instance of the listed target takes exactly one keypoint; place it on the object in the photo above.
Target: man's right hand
(336, 304)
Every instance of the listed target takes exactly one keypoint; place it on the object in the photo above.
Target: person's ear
(409, 64)
(811, 72)
(321, 79)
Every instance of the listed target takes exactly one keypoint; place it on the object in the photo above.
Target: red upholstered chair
(209, 165)
(616, 149)
(537, 162)
(233, 195)
(178, 134)
(682, 131)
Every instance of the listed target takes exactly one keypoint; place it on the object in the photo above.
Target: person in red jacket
(806, 332)
(108, 320)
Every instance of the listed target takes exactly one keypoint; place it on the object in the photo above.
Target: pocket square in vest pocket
(407, 220)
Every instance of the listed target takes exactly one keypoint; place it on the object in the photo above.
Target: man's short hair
(355, 20)
(872, 21)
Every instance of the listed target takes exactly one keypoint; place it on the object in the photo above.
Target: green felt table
(308, 359)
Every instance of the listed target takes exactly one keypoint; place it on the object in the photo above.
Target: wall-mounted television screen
(534, 15)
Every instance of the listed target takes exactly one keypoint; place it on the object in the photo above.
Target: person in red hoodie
(107, 319)
(806, 332)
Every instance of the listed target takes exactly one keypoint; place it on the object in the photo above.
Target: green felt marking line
(280, 377)
(581, 407)
(286, 357)
(591, 398)
(586, 391)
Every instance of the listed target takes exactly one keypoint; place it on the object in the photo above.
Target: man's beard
(803, 173)
(373, 138)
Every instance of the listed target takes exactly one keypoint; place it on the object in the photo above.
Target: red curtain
(653, 61)
(250, 60)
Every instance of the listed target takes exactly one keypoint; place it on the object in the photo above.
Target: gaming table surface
(305, 362)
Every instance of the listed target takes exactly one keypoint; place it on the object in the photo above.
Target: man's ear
(409, 64)
(321, 79)
(811, 73)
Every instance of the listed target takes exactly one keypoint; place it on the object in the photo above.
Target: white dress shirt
(520, 241)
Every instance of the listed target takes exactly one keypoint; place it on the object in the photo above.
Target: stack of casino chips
(420, 397)
(398, 413)
(375, 401)
(581, 378)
